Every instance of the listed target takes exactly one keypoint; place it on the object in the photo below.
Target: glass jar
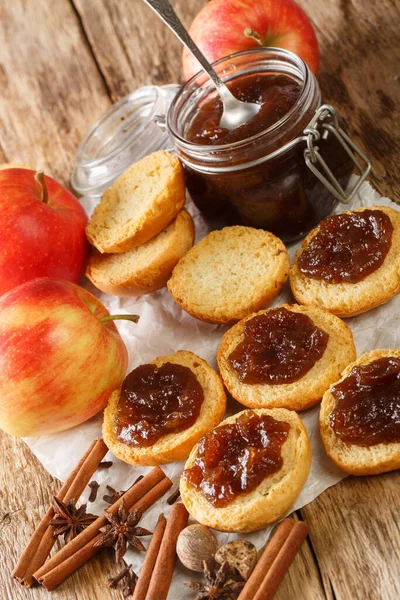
(127, 132)
(285, 178)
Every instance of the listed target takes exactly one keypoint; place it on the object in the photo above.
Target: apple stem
(248, 32)
(106, 318)
(44, 195)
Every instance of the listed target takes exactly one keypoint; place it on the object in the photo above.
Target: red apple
(60, 357)
(42, 230)
(219, 30)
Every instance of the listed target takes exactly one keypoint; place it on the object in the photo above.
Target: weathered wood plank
(355, 532)
(359, 74)
(50, 85)
(131, 45)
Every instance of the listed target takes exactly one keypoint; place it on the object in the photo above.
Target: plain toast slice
(140, 204)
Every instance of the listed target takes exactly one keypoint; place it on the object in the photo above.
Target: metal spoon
(235, 112)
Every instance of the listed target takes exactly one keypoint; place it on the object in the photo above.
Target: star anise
(222, 582)
(69, 520)
(121, 531)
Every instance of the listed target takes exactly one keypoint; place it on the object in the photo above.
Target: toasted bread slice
(307, 390)
(146, 268)
(139, 205)
(353, 458)
(229, 274)
(174, 446)
(272, 498)
(349, 299)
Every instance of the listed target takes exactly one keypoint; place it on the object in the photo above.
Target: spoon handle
(167, 14)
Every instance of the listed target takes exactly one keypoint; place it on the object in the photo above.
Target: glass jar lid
(127, 132)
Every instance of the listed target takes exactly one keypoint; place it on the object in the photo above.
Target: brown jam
(348, 247)
(276, 94)
(279, 194)
(234, 459)
(156, 401)
(368, 404)
(279, 346)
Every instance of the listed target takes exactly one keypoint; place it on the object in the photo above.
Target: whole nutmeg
(195, 544)
(239, 554)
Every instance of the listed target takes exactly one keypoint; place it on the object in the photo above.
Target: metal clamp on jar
(325, 119)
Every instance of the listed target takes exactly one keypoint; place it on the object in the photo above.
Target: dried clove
(94, 486)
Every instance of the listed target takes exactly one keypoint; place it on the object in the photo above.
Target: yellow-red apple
(223, 27)
(42, 229)
(60, 357)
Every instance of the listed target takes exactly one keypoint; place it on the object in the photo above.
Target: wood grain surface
(62, 63)
(360, 75)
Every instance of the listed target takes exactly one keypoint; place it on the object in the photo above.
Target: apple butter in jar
(286, 168)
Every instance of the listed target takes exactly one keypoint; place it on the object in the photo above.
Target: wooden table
(62, 63)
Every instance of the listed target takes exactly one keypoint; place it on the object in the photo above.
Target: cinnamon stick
(146, 571)
(26, 557)
(152, 495)
(86, 471)
(42, 540)
(282, 562)
(132, 495)
(270, 553)
(84, 475)
(79, 550)
(165, 564)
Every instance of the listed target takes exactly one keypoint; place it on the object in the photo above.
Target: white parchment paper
(164, 328)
